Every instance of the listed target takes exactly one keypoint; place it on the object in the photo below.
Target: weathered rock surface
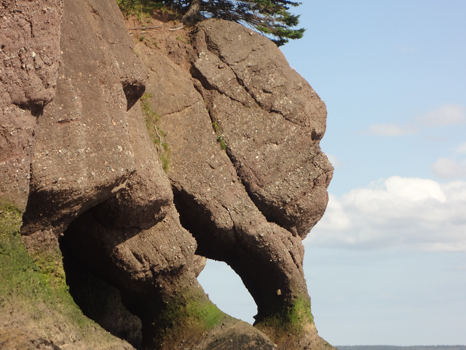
(248, 206)
(271, 120)
(244, 181)
(30, 53)
(82, 150)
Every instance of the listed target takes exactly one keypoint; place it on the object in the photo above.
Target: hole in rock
(227, 291)
(97, 299)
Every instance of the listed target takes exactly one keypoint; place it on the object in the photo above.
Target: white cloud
(461, 149)
(390, 129)
(446, 168)
(445, 115)
(410, 213)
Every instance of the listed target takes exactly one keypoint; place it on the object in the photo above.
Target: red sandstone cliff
(221, 162)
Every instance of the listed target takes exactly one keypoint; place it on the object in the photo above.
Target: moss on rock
(34, 294)
(186, 318)
(293, 322)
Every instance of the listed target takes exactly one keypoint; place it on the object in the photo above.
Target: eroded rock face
(83, 150)
(29, 42)
(30, 53)
(271, 120)
(251, 205)
(246, 179)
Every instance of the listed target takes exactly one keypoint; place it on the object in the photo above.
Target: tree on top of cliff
(270, 17)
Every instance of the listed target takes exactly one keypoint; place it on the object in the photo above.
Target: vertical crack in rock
(97, 184)
(268, 159)
(267, 153)
(215, 207)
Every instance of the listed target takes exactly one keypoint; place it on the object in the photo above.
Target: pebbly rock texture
(83, 151)
(128, 194)
(29, 51)
(251, 205)
(271, 121)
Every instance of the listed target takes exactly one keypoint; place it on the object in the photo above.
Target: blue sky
(387, 263)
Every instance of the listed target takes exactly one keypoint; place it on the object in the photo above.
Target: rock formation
(123, 195)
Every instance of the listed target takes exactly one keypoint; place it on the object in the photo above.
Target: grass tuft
(152, 118)
(220, 137)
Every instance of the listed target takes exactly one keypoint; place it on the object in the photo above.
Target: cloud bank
(450, 168)
(446, 115)
(410, 213)
(447, 168)
(390, 129)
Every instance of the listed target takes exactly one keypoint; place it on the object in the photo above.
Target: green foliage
(220, 140)
(152, 118)
(220, 137)
(216, 127)
(139, 8)
(270, 17)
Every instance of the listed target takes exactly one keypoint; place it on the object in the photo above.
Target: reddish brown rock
(250, 222)
(83, 153)
(271, 121)
(30, 53)
(246, 179)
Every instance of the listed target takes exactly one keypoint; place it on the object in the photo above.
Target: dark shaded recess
(35, 107)
(42, 206)
(133, 91)
(196, 74)
(252, 264)
(97, 298)
(95, 245)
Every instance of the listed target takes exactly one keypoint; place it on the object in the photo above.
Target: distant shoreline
(395, 347)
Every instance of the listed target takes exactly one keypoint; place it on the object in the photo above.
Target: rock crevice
(245, 183)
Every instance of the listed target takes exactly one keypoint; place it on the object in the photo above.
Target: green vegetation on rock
(152, 118)
(220, 137)
(187, 316)
(139, 8)
(292, 320)
(194, 310)
(35, 289)
(269, 17)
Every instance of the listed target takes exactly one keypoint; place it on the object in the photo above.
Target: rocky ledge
(124, 165)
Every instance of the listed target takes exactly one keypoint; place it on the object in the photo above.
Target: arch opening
(225, 289)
